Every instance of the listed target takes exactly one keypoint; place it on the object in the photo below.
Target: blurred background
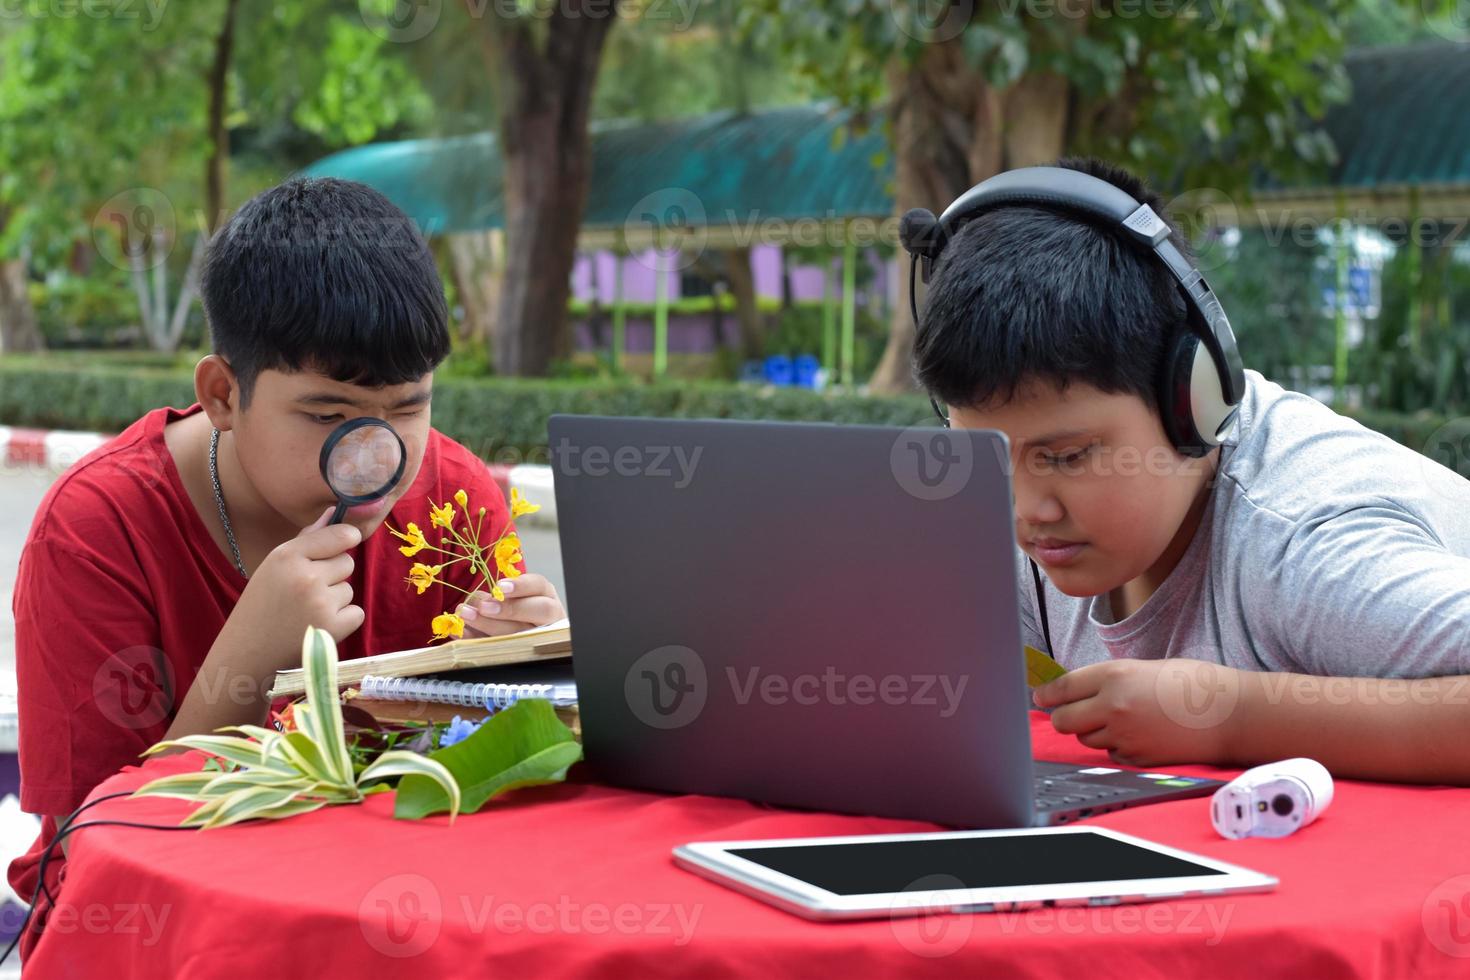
(688, 207)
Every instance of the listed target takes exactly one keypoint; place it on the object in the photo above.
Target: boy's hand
(1147, 712)
(530, 601)
(301, 583)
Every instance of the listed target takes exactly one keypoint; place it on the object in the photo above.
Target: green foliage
(523, 745)
(1240, 76)
(271, 774)
(1415, 354)
(1272, 290)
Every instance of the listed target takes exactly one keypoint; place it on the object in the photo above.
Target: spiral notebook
(490, 696)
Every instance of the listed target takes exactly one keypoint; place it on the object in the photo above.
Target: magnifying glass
(362, 461)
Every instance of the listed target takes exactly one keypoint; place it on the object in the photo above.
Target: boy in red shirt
(158, 595)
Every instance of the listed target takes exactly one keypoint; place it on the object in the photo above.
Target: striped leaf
(240, 805)
(184, 785)
(410, 763)
(319, 658)
(238, 750)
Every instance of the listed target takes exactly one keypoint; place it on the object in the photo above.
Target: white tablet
(964, 871)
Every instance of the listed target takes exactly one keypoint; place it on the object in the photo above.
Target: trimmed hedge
(500, 419)
(504, 419)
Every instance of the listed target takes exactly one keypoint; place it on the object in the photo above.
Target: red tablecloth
(577, 879)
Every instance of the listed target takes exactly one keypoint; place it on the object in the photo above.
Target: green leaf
(307, 757)
(411, 763)
(239, 750)
(524, 745)
(323, 721)
(184, 785)
(240, 805)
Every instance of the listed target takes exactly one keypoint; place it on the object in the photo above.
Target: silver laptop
(810, 615)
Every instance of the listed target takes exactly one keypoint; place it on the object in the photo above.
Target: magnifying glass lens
(364, 462)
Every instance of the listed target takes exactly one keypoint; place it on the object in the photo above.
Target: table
(576, 880)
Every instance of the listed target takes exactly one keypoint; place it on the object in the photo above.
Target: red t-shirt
(121, 592)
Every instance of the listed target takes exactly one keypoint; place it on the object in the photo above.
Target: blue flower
(459, 729)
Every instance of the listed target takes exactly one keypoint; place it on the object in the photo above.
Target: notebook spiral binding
(489, 696)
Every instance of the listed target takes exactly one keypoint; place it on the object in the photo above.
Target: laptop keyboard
(1062, 794)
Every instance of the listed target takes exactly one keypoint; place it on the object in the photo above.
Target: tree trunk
(544, 107)
(477, 262)
(18, 329)
(747, 312)
(219, 133)
(951, 130)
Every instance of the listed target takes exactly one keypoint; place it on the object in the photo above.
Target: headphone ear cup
(1176, 401)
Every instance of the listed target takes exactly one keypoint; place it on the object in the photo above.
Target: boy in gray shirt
(1300, 589)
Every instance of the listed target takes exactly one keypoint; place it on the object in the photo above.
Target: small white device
(887, 875)
(1272, 800)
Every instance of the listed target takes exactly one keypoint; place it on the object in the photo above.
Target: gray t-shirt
(1326, 548)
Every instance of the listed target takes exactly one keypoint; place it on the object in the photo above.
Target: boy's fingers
(487, 626)
(534, 609)
(328, 542)
(1074, 685)
(1078, 718)
(526, 585)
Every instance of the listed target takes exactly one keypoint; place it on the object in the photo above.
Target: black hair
(1024, 294)
(325, 275)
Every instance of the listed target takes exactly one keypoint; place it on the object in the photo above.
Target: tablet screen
(882, 867)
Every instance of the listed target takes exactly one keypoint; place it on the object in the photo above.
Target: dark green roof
(1407, 121)
(792, 163)
(1405, 125)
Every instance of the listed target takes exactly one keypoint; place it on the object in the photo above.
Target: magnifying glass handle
(338, 513)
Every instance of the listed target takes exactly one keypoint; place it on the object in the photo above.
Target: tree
(121, 132)
(1193, 99)
(545, 66)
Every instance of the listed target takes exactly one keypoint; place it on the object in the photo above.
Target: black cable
(64, 829)
(1041, 603)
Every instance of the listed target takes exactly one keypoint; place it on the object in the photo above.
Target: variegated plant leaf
(184, 785)
(405, 763)
(238, 750)
(239, 805)
(319, 658)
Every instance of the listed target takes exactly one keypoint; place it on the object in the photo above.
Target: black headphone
(1200, 388)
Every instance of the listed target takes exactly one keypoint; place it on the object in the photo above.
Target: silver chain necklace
(219, 501)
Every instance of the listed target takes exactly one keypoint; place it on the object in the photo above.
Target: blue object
(779, 370)
(807, 367)
(753, 372)
(459, 729)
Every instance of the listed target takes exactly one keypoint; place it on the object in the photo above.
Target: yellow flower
(496, 592)
(422, 575)
(446, 625)
(414, 537)
(441, 516)
(519, 505)
(462, 500)
(508, 555)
